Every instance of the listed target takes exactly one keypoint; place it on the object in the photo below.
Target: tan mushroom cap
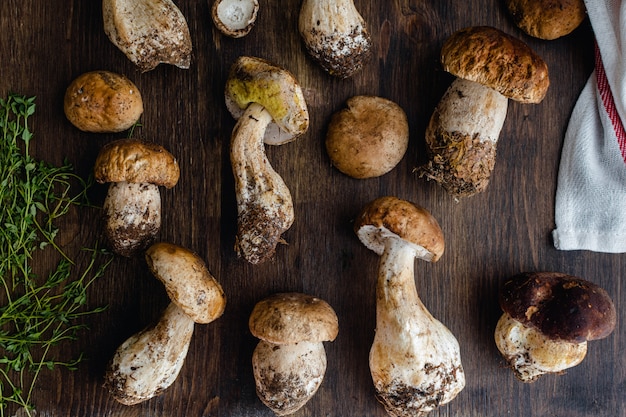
(287, 318)
(547, 19)
(488, 56)
(255, 80)
(235, 18)
(560, 306)
(368, 137)
(390, 217)
(135, 161)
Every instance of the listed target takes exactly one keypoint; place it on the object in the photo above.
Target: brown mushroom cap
(547, 19)
(560, 306)
(488, 56)
(135, 161)
(368, 137)
(287, 318)
(388, 217)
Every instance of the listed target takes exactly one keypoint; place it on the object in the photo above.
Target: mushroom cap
(390, 217)
(235, 18)
(547, 19)
(102, 101)
(255, 80)
(497, 60)
(287, 318)
(368, 137)
(560, 306)
(136, 161)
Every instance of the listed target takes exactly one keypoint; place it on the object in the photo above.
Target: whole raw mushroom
(235, 18)
(547, 19)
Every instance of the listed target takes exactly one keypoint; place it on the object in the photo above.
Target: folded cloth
(590, 207)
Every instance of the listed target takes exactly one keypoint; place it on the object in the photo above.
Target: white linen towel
(590, 206)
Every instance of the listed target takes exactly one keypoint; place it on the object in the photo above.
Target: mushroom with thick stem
(548, 319)
(132, 207)
(234, 18)
(270, 108)
(368, 137)
(491, 67)
(547, 19)
(148, 32)
(414, 360)
(289, 361)
(335, 35)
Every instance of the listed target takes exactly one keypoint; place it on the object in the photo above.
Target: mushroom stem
(414, 360)
(264, 202)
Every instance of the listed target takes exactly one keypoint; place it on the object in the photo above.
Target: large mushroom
(270, 108)
(132, 207)
(548, 319)
(289, 362)
(491, 67)
(335, 35)
(414, 360)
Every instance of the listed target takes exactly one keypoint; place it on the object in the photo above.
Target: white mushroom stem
(531, 354)
(414, 360)
(264, 202)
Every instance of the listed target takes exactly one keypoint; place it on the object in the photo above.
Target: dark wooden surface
(506, 230)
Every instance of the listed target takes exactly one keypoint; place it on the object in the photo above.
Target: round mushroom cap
(235, 18)
(368, 137)
(547, 19)
(390, 217)
(287, 318)
(136, 161)
(102, 101)
(560, 306)
(488, 56)
(255, 80)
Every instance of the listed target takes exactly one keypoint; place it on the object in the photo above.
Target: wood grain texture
(46, 44)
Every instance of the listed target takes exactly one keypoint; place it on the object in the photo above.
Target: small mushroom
(289, 361)
(368, 137)
(147, 363)
(491, 67)
(102, 101)
(548, 319)
(235, 18)
(415, 360)
(132, 207)
(148, 32)
(335, 35)
(187, 281)
(547, 19)
(270, 108)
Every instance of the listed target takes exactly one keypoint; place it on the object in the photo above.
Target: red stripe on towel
(609, 104)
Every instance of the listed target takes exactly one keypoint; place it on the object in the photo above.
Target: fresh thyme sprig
(36, 313)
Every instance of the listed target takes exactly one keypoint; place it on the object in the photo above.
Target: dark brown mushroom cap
(287, 318)
(560, 306)
(488, 56)
(403, 219)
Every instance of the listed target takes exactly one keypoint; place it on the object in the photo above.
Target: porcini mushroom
(148, 32)
(187, 281)
(148, 362)
(548, 319)
(491, 67)
(415, 360)
(132, 207)
(270, 108)
(102, 101)
(234, 18)
(289, 362)
(368, 137)
(547, 19)
(335, 35)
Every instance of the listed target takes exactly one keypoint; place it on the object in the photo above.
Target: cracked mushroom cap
(560, 306)
(391, 217)
(235, 18)
(134, 161)
(255, 80)
(547, 19)
(288, 318)
(497, 60)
